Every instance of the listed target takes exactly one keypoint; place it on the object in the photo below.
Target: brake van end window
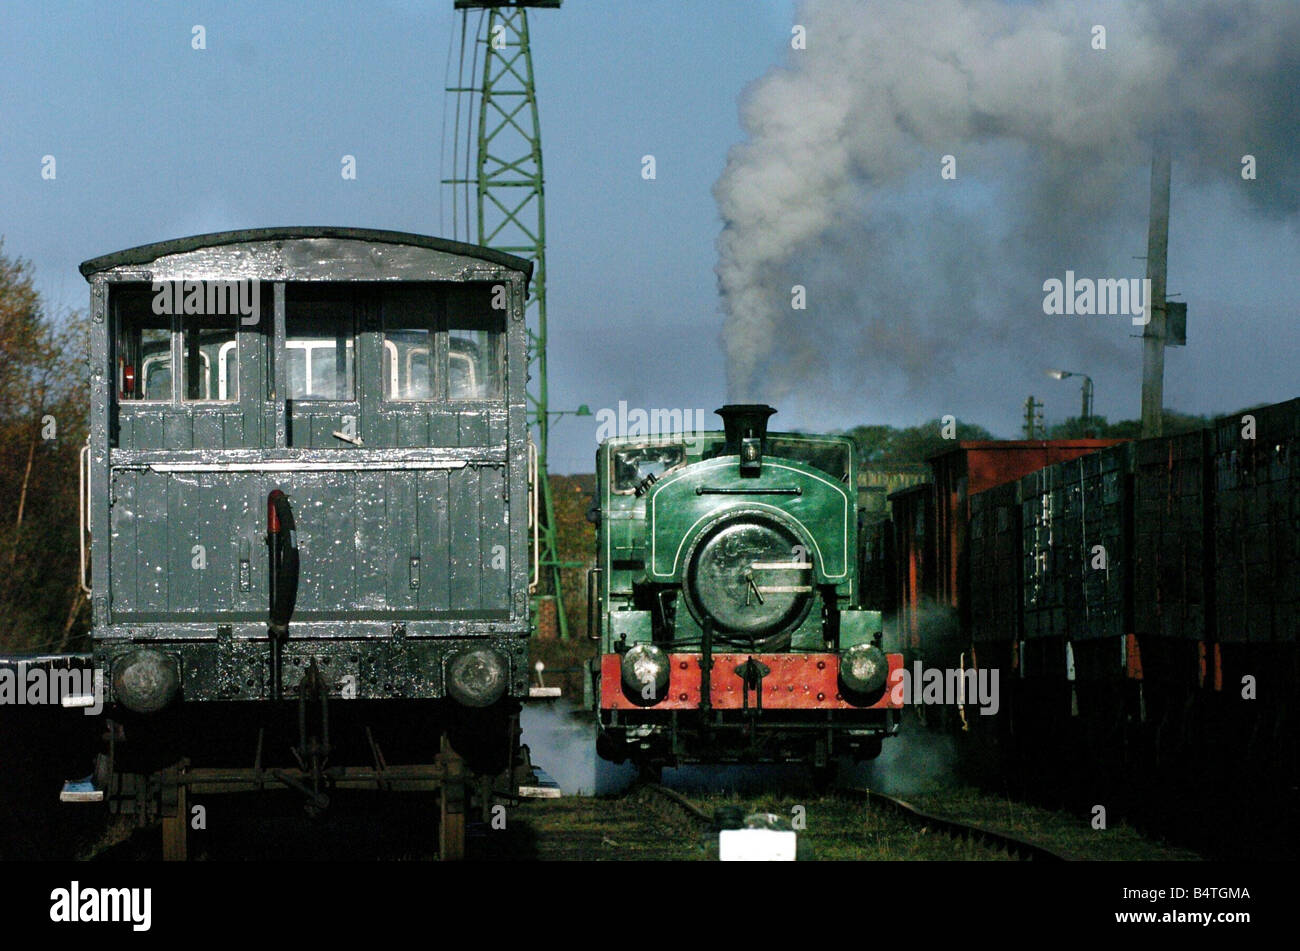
(411, 315)
(210, 357)
(320, 343)
(475, 331)
(443, 342)
(142, 346)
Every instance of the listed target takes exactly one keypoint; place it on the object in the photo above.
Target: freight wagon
(1138, 599)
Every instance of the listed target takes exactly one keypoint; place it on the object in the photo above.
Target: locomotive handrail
(759, 490)
(593, 602)
(83, 511)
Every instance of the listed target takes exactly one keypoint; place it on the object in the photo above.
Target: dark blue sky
(155, 140)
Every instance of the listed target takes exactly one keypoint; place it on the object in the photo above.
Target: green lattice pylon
(511, 216)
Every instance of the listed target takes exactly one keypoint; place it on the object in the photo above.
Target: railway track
(692, 810)
(965, 831)
(1014, 846)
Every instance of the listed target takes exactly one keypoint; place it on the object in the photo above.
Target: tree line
(44, 408)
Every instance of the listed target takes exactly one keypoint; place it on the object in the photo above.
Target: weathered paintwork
(411, 537)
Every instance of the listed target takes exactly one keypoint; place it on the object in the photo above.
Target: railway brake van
(306, 485)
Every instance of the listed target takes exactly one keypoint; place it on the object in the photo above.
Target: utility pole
(1153, 336)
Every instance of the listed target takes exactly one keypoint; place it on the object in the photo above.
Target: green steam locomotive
(726, 600)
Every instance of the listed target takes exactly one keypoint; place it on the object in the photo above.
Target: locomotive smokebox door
(745, 425)
(739, 578)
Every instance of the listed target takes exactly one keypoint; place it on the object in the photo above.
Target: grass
(1053, 829)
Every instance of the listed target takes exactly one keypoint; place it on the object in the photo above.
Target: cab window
(474, 334)
(442, 342)
(411, 316)
(320, 343)
(143, 340)
(142, 346)
(472, 372)
(634, 465)
(831, 458)
(210, 358)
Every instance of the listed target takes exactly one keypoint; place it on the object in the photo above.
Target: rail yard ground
(625, 825)
(640, 825)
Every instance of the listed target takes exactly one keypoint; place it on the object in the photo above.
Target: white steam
(926, 285)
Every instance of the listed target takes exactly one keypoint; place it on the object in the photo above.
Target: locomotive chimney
(746, 431)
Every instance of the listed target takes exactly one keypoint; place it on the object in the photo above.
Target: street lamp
(1087, 389)
(582, 410)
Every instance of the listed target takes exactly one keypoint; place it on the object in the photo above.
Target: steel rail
(693, 810)
(1013, 845)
